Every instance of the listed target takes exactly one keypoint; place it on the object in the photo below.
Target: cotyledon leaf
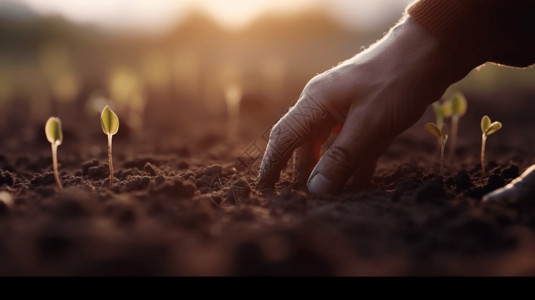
(458, 104)
(109, 121)
(494, 126)
(485, 123)
(53, 130)
(433, 129)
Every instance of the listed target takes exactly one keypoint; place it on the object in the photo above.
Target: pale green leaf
(458, 104)
(53, 130)
(442, 110)
(433, 129)
(447, 109)
(495, 126)
(485, 123)
(109, 121)
(437, 108)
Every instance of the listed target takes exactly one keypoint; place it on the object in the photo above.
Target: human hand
(521, 188)
(376, 95)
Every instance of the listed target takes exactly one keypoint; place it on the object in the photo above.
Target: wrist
(425, 54)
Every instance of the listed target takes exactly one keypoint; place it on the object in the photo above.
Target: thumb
(332, 171)
(354, 152)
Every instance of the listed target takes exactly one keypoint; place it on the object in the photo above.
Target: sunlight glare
(235, 14)
(232, 14)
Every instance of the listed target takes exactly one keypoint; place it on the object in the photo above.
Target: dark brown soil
(182, 204)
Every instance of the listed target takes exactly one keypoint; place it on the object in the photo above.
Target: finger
(357, 147)
(291, 131)
(305, 158)
(328, 143)
(507, 193)
(522, 187)
(308, 154)
(364, 171)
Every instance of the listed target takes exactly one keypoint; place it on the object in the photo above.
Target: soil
(181, 204)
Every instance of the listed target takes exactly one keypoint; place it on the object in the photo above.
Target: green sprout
(442, 110)
(233, 96)
(442, 134)
(54, 135)
(458, 109)
(487, 128)
(110, 126)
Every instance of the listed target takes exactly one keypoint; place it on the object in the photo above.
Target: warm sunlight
(232, 14)
(151, 15)
(234, 138)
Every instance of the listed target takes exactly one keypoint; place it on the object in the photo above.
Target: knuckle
(338, 156)
(276, 129)
(285, 137)
(308, 114)
(315, 84)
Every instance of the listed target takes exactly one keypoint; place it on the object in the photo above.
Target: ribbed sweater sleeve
(485, 30)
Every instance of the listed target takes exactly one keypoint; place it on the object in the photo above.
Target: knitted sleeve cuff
(459, 24)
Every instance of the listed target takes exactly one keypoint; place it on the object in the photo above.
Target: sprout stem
(110, 163)
(55, 163)
(442, 158)
(233, 97)
(440, 121)
(453, 141)
(483, 142)
(233, 116)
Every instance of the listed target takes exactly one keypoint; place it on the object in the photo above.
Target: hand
(520, 189)
(376, 95)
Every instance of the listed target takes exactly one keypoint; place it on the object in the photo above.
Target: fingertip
(260, 185)
(265, 190)
(265, 181)
(319, 184)
(506, 193)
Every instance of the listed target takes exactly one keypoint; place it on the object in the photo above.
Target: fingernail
(319, 184)
(508, 192)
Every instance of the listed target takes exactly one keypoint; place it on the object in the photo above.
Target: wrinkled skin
(376, 95)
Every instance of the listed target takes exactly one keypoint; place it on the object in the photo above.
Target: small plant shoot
(233, 97)
(488, 128)
(458, 109)
(110, 126)
(54, 135)
(442, 110)
(442, 134)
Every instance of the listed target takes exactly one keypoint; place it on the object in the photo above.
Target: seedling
(458, 109)
(110, 126)
(442, 110)
(442, 134)
(233, 97)
(54, 135)
(487, 128)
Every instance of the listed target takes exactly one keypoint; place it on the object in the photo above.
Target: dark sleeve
(488, 30)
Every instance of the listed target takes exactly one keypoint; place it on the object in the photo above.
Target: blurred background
(179, 66)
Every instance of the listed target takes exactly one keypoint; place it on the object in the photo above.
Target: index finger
(289, 133)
